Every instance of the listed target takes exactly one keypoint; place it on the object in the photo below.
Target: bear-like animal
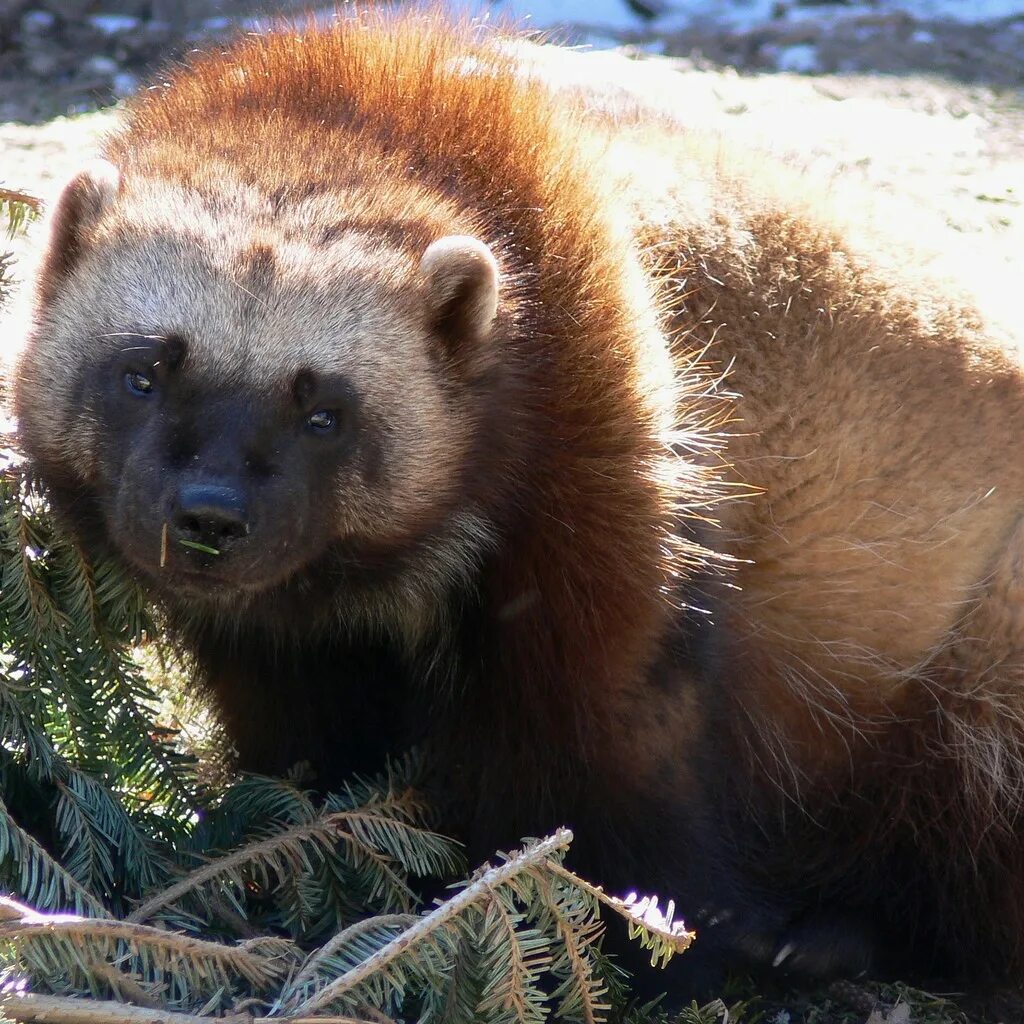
(436, 408)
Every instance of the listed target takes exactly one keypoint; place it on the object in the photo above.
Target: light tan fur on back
(881, 424)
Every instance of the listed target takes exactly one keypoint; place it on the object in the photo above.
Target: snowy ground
(976, 40)
(60, 58)
(969, 40)
(744, 15)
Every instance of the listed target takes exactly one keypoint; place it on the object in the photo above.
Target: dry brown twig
(10, 195)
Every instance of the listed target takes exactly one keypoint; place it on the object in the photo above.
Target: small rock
(899, 1014)
(113, 24)
(43, 63)
(101, 65)
(647, 10)
(801, 59)
(36, 23)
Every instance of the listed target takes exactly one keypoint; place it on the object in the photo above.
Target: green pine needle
(196, 546)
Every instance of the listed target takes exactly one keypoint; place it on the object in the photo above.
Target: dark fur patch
(258, 267)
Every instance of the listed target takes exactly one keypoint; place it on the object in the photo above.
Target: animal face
(239, 402)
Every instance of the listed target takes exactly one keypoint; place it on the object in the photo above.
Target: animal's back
(864, 666)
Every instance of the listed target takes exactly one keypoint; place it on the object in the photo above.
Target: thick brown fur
(812, 727)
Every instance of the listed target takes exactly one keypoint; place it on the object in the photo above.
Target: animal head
(240, 389)
(274, 355)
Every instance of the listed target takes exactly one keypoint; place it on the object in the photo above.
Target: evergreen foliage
(18, 208)
(164, 900)
(91, 791)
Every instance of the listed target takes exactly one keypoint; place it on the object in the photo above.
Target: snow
(801, 58)
(112, 24)
(101, 65)
(737, 15)
(602, 24)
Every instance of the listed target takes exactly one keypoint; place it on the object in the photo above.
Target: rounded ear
(82, 202)
(461, 276)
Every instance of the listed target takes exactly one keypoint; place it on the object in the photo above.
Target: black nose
(210, 514)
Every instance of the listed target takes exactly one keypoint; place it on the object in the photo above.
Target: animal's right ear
(461, 276)
(82, 202)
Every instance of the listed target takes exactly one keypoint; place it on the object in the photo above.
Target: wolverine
(603, 461)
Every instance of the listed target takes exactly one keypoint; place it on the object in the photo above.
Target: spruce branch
(425, 927)
(372, 1016)
(84, 767)
(39, 876)
(20, 710)
(479, 956)
(581, 990)
(114, 612)
(59, 950)
(279, 852)
(99, 811)
(20, 208)
(259, 798)
(126, 988)
(257, 970)
(514, 961)
(391, 847)
(34, 1008)
(657, 930)
(310, 967)
(87, 857)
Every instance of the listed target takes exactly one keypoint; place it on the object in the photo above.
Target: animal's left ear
(461, 277)
(83, 201)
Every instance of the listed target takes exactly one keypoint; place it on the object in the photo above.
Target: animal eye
(138, 383)
(322, 420)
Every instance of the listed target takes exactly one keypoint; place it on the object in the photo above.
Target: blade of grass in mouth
(198, 547)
